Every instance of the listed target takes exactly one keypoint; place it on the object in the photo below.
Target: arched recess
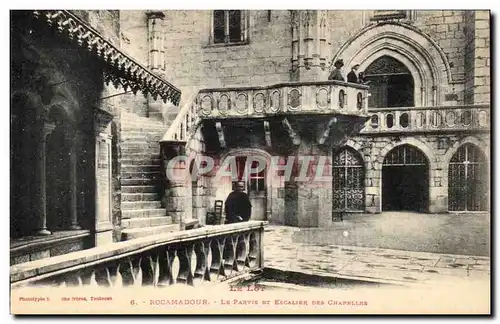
(468, 180)
(392, 83)
(445, 161)
(379, 160)
(261, 199)
(423, 57)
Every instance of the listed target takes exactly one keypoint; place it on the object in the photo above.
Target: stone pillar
(73, 179)
(438, 193)
(291, 207)
(174, 163)
(103, 172)
(156, 37)
(40, 183)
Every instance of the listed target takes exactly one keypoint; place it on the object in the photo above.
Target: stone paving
(282, 252)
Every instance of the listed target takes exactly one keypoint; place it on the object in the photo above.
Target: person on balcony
(352, 76)
(336, 74)
(238, 207)
(362, 78)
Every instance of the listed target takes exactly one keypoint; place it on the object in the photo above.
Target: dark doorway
(405, 180)
(391, 84)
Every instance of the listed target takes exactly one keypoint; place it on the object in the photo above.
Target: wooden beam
(326, 133)
(220, 132)
(267, 132)
(293, 135)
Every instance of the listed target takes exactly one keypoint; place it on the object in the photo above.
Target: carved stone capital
(102, 119)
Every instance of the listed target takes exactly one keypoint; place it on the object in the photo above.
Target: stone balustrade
(428, 119)
(283, 99)
(207, 254)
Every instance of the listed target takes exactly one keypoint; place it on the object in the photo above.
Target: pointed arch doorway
(391, 83)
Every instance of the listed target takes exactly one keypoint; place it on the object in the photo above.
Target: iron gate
(348, 182)
(467, 181)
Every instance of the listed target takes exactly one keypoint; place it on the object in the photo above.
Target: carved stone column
(103, 172)
(40, 181)
(156, 37)
(309, 46)
(174, 163)
(73, 179)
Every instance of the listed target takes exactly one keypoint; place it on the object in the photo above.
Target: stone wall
(309, 203)
(190, 60)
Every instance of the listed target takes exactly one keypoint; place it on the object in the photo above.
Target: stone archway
(416, 50)
(450, 158)
(374, 192)
(405, 179)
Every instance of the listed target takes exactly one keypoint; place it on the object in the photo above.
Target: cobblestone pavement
(439, 233)
(283, 252)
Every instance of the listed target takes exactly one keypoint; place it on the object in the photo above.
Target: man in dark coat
(351, 76)
(238, 207)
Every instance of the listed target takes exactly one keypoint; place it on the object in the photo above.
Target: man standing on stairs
(238, 207)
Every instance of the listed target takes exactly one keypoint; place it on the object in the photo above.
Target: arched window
(348, 181)
(391, 83)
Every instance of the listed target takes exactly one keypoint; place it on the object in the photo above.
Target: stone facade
(436, 46)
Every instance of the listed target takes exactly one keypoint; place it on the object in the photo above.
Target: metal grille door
(467, 181)
(348, 182)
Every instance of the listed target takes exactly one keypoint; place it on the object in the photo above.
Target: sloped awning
(121, 69)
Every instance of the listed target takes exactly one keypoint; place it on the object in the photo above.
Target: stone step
(140, 168)
(138, 182)
(129, 205)
(140, 134)
(139, 189)
(140, 140)
(142, 196)
(143, 213)
(142, 150)
(143, 127)
(127, 116)
(140, 160)
(142, 222)
(141, 155)
(142, 145)
(129, 234)
(139, 175)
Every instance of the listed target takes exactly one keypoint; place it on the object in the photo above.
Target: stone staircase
(142, 211)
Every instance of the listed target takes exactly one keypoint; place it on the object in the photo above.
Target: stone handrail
(186, 121)
(212, 253)
(428, 119)
(285, 98)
